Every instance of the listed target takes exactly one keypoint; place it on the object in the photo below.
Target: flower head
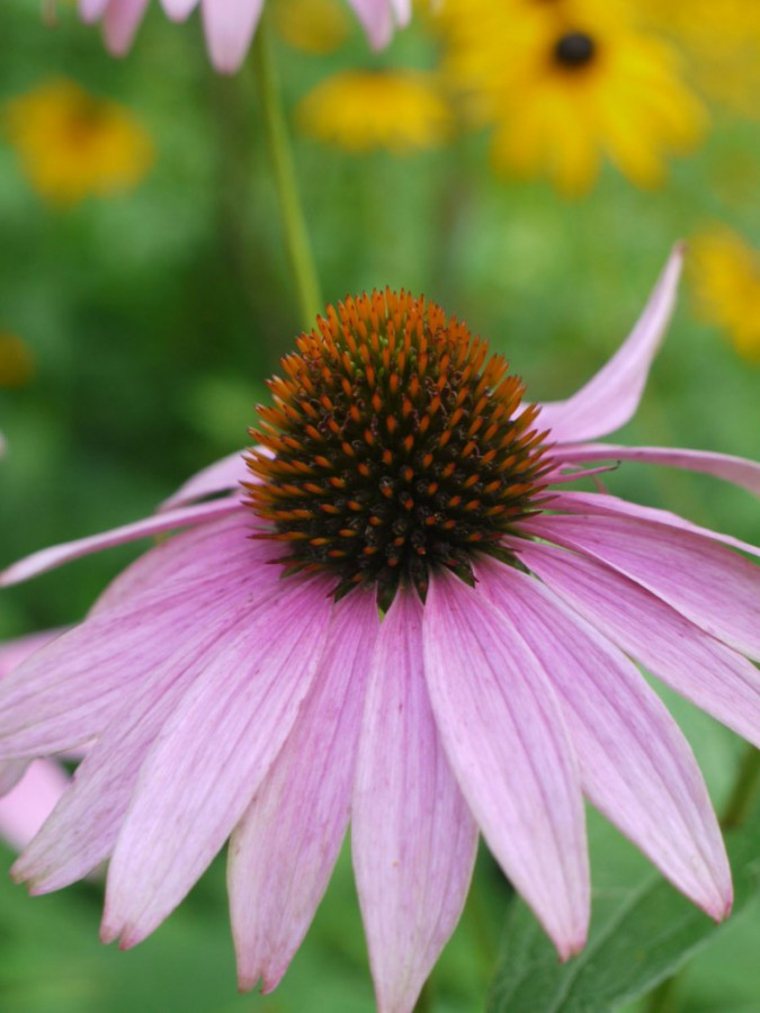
(581, 82)
(239, 680)
(401, 111)
(726, 279)
(73, 144)
(229, 24)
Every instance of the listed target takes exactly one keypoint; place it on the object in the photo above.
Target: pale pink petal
(211, 756)
(403, 11)
(222, 476)
(610, 398)
(53, 701)
(229, 29)
(283, 850)
(91, 10)
(590, 503)
(506, 740)
(737, 470)
(14, 652)
(178, 10)
(413, 839)
(717, 589)
(636, 766)
(120, 24)
(57, 555)
(11, 772)
(25, 809)
(376, 17)
(700, 668)
(83, 830)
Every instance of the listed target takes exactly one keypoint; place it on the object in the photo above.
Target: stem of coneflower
(293, 220)
(740, 801)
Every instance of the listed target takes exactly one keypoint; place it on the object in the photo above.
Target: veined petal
(716, 588)
(178, 10)
(610, 398)
(700, 668)
(229, 29)
(737, 470)
(413, 839)
(221, 476)
(57, 555)
(211, 757)
(636, 766)
(282, 852)
(83, 829)
(11, 772)
(120, 24)
(589, 503)
(506, 740)
(23, 810)
(14, 652)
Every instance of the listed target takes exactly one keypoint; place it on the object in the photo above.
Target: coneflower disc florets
(397, 443)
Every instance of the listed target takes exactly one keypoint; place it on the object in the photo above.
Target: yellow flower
(722, 44)
(400, 111)
(16, 361)
(726, 282)
(566, 82)
(73, 144)
(314, 26)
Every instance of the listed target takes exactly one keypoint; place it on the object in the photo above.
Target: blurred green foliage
(154, 319)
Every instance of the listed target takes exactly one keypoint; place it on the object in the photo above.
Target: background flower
(726, 281)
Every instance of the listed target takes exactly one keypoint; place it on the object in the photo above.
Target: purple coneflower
(229, 24)
(240, 682)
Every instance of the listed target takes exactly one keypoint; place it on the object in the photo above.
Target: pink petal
(610, 398)
(737, 470)
(402, 10)
(25, 809)
(506, 741)
(120, 23)
(211, 756)
(591, 503)
(715, 678)
(715, 588)
(229, 29)
(11, 772)
(14, 652)
(49, 559)
(91, 10)
(83, 830)
(636, 766)
(376, 17)
(53, 702)
(222, 476)
(283, 850)
(178, 10)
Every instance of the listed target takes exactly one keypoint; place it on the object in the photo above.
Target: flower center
(574, 49)
(395, 444)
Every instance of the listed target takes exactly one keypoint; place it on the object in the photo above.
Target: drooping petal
(229, 29)
(413, 839)
(636, 766)
(714, 587)
(14, 652)
(57, 555)
(376, 17)
(54, 702)
(590, 503)
(283, 850)
(506, 740)
(178, 10)
(24, 810)
(120, 23)
(91, 10)
(610, 398)
(700, 668)
(221, 476)
(210, 758)
(737, 470)
(83, 829)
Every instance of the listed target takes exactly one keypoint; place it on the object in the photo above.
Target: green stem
(743, 795)
(293, 221)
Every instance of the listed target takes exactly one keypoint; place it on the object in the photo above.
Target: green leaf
(641, 934)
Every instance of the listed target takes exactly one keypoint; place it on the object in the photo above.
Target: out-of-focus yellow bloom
(726, 281)
(401, 111)
(16, 361)
(566, 82)
(73, 144)
(314, 26)
(721, 40)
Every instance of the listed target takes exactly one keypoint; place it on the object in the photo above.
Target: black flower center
(574, 49)
(395, 444)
